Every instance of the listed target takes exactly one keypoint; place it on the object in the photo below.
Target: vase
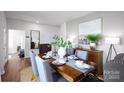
(93, 45)
(61, 52)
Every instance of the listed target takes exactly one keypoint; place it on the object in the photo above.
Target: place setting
(59, 62)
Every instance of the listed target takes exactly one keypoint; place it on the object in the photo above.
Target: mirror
(89, 27)
(35, 39)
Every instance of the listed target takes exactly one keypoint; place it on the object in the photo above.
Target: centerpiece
(61, 45)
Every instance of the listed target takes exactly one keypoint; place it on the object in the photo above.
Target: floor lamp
(112, 41)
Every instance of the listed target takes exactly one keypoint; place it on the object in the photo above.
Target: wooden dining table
(69, 73)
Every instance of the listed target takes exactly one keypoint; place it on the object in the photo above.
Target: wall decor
(90, 27)
(35, 39)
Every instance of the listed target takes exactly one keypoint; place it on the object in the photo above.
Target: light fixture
(112, 41)
(37, 22)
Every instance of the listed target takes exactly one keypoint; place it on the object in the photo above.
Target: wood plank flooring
(13, 67)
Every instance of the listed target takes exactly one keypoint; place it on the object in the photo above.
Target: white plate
(83, 66)
(57, 63)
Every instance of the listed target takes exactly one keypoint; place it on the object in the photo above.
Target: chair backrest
(81, 54)
(33, 63)
(44, 69)
(119, 57)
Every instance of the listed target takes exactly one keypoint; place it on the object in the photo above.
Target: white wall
(3, 42)
(46, 31)
(113, 25)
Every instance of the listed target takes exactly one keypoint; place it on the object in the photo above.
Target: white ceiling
(46, 17)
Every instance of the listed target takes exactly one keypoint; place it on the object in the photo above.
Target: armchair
(113, 69)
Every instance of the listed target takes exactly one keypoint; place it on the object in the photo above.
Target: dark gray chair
(114, 69)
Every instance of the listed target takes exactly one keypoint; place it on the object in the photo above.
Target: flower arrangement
(60, 42)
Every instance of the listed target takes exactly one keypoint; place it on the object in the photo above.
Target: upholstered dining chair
(34, 65)
(46, 73)
(81, 54)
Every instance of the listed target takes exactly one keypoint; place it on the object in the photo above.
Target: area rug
(26, 74)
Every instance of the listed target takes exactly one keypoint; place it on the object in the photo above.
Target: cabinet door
(97, 57)
(100, 64)
(93, 56)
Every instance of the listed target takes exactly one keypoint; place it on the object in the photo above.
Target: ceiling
(46, 17)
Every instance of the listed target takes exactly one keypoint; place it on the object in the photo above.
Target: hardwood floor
(13, 67)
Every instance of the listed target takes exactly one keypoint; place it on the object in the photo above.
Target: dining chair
(81, 54)
(34, 65)
(46, 73)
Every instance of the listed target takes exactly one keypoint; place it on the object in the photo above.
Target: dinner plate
(72, 57)
(58, 63)
(83, 66)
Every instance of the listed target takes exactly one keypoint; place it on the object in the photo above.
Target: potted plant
(94, 39)
(61, 44)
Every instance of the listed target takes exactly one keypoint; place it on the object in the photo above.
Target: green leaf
(93, 37)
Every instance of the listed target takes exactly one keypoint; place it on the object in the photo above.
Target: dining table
(69, 70)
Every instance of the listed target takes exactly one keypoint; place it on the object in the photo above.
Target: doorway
(16, 42)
